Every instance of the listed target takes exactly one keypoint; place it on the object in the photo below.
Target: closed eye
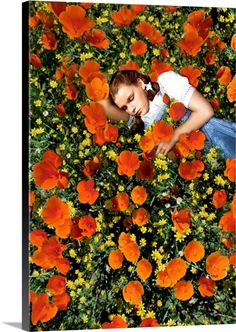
(129, 99)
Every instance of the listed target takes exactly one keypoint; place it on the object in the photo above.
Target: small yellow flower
(74, 130)
(72, 253)
(85, 318)
(37, 103)
(35, 274)
(53, 84)
(159, 303)
(122, 55)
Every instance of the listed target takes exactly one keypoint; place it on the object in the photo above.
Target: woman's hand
(165, 147)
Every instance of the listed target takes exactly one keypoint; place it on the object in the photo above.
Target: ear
(141, 83)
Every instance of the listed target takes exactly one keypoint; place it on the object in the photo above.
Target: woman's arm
(201, 113)
(113, 112)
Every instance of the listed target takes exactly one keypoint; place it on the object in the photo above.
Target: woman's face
(132, 99)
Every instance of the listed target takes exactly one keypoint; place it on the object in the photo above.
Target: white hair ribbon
(148, 86)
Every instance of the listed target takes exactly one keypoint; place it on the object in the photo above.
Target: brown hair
(130, 77)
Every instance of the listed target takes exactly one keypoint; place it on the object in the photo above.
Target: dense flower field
(119, 237)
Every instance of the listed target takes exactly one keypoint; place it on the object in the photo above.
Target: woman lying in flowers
(134, 96)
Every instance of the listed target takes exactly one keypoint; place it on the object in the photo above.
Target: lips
(138, 113)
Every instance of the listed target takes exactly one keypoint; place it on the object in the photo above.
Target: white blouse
(176, 87)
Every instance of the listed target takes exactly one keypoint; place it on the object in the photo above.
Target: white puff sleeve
(176, 87)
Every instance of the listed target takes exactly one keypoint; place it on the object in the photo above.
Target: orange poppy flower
(177, 111)
(123, 17)
(35, 61)
(233, 42)
(117, 322)
(37, 237)
(194, 140)
(56, 212)
(139, 195)
(146, 142)
(31, 197)
(183, 290)
(144, 28)
(97, 38)
(210, 58)
(115, 259)
(98, 137)
(176, 269)
(190, 170)
(149, 322)
(233, 206)
(130, 65)
(228, 243)
(198, 21)
(206, 287)
(71, 92)
(119, 203)
(87, 193)
(42, 310)
(138, 8)
(57, 7)
(111, 133)
(140, 216)
(170, 9)
(192, 74)
(224, 75)
(138, 47)
(91, 166)
(61, 301)
(219, 198)
(228, 222)
(86, 5)
(146, 170)
(74, 21)
(164, 280)
(231, 90)
(49, 41)
(127, 162)
(50, 254)
(230, 171)
(194, 251)
(192, 42)
(131, 251)
(60, 109)
(56, 284)
(88, 225)
(124, 239)
(95, 116)
(144, 269)
(159, 67)
(86, 69)
(76, 232)
(181, 219)
(33, 21)
(162, 132)
(232, 258)
(133, 292)
(217, 265)
(97, 89)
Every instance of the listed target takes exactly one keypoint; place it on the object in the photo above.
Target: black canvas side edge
(25, 165)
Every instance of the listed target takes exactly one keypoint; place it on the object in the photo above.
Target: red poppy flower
(61, 301)
(219, 198)
(56, 212)
(86, 69)
(97, 89)
(95, 116)
(111, 133)
(123, 17)
(190, 170)
(138, 8)
(49, 41)
(146, 170)
(146, 142)
(74, 21)
(97, 38)
(192, 74)
(56, 284)
(117, 322)
(138, 47)
(210, 58)
(57, 7)
(88, 225)
(87, 193)
(33, 21)
(181, 219)
(42, 310)
(233, 42)
(37, 237)
(131, 65)
(206, 287)
(202, 25)
(149, 322)
(91, 166)
(228, 222)
(162, 132)
(159, 67)
(120, 202)
(177, 111)
(192, 42)
(128, 162)
(35, 61)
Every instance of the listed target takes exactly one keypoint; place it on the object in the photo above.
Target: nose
(132, 109)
